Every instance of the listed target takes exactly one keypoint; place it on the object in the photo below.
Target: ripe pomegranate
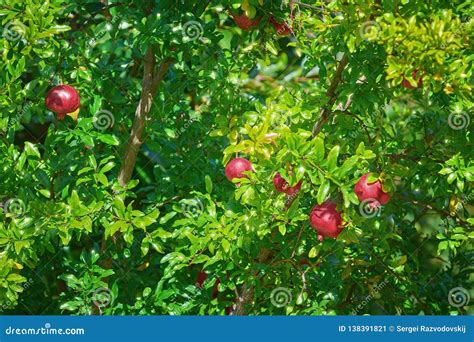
(236, 167)
(244, 22)
(63, 99)
(229, 310)
(407, 84)
(326, 220)
(368, 191)
(303, 261)
(202, 276)
(215, 292)
(281, 28)
(282, 185)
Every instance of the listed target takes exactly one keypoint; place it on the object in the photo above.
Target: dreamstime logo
(103, 120)
(459, 120)
(14, 206)
(467, 199)
(192, 207)
(186, 126)
(458, 297)
(102, 297)
(375, 290)
(93, 41)
(280, 297)
(13, 31)
(370, 207)
(115, 22)
(284, 28)
(278, 123)
(14, 120)
(368, 29)
(192, 30)
(7, 305)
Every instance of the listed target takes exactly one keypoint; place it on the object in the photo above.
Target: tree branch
(326, 111)
(151, 80)
(246, 294)
(264, 257)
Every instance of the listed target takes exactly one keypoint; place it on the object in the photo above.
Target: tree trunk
(246, 293)
(151, 81)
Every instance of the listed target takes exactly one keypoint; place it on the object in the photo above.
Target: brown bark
(326, 111)
(105, 10)
(151, 81)
(246, 293)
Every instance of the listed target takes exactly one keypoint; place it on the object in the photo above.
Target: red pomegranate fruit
(236, 167)
(244, 22)
(326, 220)
(281, 185)
(405, 83)
(215, 292)
(371, 192)
(282, 29)
(229, 310)
(305, 262)
(202, 276)
(63, 99)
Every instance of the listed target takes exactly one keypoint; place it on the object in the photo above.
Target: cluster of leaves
(79, 234)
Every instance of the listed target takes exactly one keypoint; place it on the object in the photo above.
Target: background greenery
(73, 241)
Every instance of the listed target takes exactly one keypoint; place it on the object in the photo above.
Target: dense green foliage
(73, 240)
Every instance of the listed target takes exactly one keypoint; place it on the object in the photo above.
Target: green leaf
(360, 149)
(168, 217)
(171, 256)
(443, 245)
(15, 277)
(314, 251)
(446, 170)
(451, 178)
(102, 178)
(225, 245)
(143, 222)
(45, 193)
(107, 167)
(146, 292)
(282, 229)
(347, 166)
(145, 246)
(332, 158)
(208, 182)
(293, 210)
(109, 139)
(31, 150)
(92, 161)
(323, 191)
(319, 149)
(403, 259)
(200, 259)
(74, 200)
(115, 227)
(368, 154)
